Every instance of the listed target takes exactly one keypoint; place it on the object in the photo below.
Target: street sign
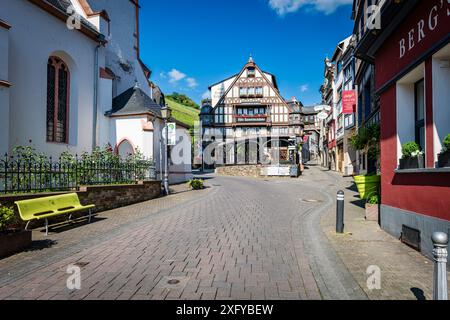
(172, 134)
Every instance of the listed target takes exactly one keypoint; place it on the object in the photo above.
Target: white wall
(181, 157)
(104, 105)
(121, 42)
(219, 89)
(131, 129)
(4, 91)
(441, 98)
(405, 108)
(35, 35)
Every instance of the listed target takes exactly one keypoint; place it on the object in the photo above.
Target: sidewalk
(405, 273)
(68, 239)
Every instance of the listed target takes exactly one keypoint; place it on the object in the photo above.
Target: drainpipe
(102, 41)
(95, 115)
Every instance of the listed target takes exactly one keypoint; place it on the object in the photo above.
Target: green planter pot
(367, 185)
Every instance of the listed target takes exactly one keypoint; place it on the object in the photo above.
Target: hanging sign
(172, 133)
(322, 115)
(348, 102)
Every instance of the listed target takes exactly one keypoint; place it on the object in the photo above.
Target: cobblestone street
(239, 239)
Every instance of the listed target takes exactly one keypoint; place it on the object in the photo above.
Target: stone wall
(254, 171)
(240, 171)
(104, 197)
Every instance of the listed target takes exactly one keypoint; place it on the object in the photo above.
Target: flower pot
(412, 163)
(372, 212)
(14, 241)
(444, 160)
(367, 185)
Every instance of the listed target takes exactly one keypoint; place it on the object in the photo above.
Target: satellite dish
(322, 115)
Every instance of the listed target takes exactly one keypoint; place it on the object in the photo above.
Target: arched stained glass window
(58, 88)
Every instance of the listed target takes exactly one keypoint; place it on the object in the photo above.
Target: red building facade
(412, 77)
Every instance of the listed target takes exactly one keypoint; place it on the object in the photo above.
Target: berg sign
(423, 28)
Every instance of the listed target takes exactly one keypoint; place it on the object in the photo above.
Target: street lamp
(166, 114)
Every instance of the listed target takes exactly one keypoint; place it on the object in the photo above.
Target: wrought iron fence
(30, 175)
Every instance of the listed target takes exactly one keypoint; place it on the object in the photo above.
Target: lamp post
(165, 113)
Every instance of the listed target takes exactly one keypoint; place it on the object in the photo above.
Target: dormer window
(251, 72)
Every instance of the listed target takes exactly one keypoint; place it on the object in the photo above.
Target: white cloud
(192, 83)
(283, 7)
(304, 88)
(206, 95)
(176, 76)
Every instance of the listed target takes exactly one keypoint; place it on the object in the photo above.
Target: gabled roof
(251, 63)
(237, 74)
(134, 101)
(341, 48)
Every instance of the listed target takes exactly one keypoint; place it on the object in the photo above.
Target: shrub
(367, 137)
(447, 143)
(359, 140)
(6, 217)
(373, 200)
(196, 184)
(410, 149)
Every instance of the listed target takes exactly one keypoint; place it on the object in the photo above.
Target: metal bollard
(340, 212)
(440, 243)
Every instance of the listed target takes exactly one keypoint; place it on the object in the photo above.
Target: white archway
(125, 149)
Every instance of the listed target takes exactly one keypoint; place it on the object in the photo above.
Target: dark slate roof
(295, 108)
(309, 110)
(60, 4)
(134, 101)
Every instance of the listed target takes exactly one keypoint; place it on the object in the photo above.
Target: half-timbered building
(250, 119)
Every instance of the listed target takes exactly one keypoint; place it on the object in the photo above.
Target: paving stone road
(240, 239)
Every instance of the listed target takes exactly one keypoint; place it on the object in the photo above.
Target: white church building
(71, 79)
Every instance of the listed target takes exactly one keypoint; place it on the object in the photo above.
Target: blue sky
(190, 45)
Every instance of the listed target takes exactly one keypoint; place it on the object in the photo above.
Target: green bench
(48, 207)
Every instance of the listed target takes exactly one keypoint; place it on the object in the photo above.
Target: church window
(58, 81)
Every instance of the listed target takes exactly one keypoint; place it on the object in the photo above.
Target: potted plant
(367, 185)
(196, 184)
(368, 140)
(372, 208)
(444, 156)
(11, 240)
(412, 156)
